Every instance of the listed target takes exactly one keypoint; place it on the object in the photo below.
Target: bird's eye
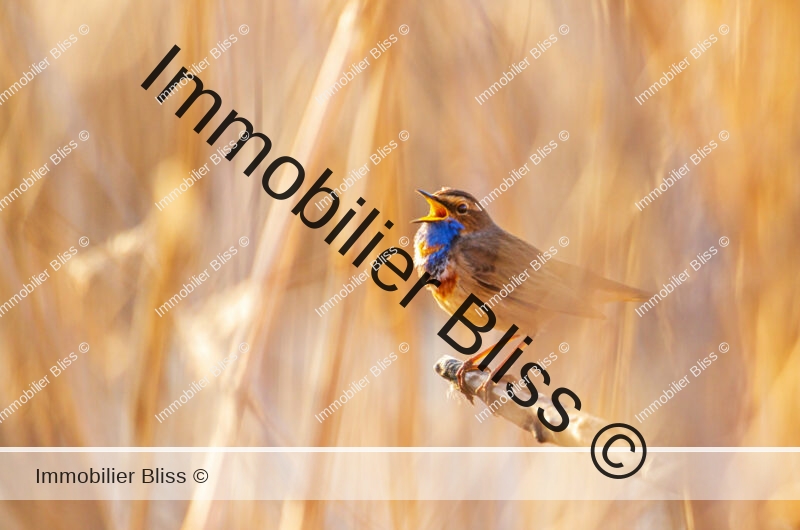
(462, 208)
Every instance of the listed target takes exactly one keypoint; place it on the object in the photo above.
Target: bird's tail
(605, 290)
(600, 290)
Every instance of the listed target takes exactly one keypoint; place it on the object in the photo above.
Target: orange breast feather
(446, 286)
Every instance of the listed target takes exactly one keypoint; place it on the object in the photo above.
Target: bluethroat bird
(459, 245)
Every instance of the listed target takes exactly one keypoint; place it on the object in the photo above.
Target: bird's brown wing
(487, 263)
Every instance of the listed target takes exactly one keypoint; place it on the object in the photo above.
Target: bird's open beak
(438, 211)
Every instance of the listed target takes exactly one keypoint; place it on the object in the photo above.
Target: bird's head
(451, 207)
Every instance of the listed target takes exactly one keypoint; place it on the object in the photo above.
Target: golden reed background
(298, 363)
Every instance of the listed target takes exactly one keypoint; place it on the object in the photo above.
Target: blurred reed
(425, 84)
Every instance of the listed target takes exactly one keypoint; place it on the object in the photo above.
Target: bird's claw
(462, 383)
(483, 390)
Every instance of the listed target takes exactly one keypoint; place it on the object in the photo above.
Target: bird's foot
(483, 390)
(473, 363)
(467, 366)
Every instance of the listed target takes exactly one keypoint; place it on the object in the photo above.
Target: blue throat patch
(436, 234)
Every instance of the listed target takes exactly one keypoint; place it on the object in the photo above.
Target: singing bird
(459, 245)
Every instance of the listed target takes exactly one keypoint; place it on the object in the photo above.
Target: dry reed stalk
(579, 433)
